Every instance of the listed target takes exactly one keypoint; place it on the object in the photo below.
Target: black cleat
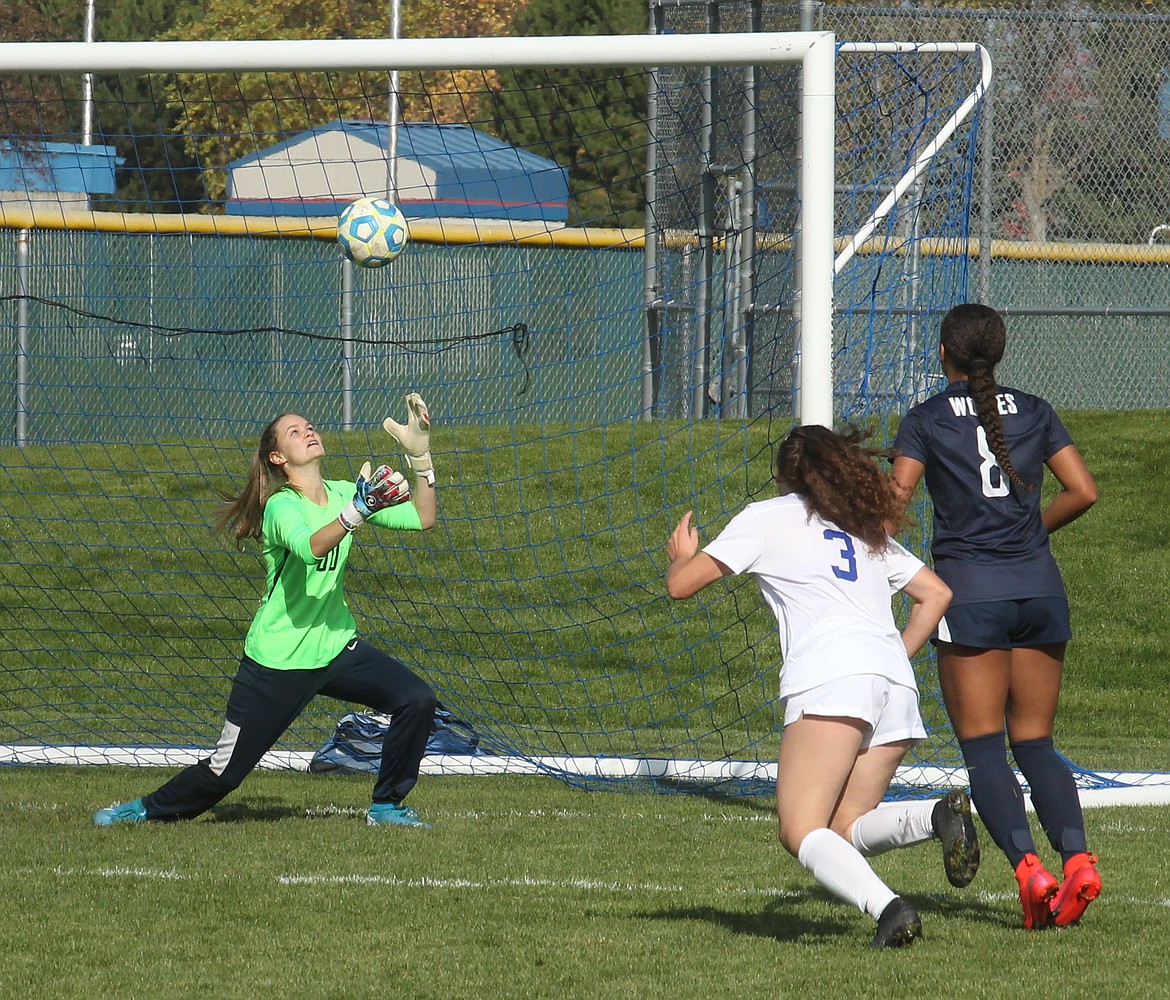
(898, 926)
(955, 828)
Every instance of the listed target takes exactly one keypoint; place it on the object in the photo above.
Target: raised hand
(384, 488)
(415, 437)
(683, 542)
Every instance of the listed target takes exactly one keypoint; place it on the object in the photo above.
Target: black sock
(997, 795)
(1054, 794)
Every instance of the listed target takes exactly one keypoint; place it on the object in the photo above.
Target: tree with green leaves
(131, 112)
(225, 116)
(32, 106)
(593, 122)
(129, 109)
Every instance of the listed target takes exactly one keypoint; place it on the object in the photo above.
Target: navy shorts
(1032, 621)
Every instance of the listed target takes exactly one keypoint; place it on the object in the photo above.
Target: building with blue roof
(443, 171)
(63, 173)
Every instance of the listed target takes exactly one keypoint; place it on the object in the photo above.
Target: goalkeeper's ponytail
(243, 516)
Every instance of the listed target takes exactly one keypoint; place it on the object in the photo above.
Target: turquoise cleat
(127, 812)
(393, 814)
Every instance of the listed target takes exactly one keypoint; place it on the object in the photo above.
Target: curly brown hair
(839, 481)
(974, 337)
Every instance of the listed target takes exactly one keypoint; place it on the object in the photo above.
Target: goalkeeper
(303, 640)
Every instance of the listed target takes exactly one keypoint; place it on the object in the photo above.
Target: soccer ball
(372, 232)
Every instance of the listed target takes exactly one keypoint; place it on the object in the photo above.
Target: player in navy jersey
(827, 568)
(983, 448)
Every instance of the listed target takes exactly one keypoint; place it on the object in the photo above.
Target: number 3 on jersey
(848, 555)
(991, 477)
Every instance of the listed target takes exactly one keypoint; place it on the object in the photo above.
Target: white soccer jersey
(830, 596)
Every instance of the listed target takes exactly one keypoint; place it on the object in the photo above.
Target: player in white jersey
(827, 568)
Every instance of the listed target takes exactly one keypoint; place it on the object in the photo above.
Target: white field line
(532, 882)
(523, 882)
(428, 882)
(122, 871)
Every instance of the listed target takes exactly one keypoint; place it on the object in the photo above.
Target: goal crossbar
(261, 55)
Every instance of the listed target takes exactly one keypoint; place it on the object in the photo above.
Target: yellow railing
(30, 215)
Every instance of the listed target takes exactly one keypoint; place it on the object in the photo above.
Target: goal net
(634, 263)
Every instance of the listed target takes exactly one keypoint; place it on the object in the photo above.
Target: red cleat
(1038, 889)
(1081, 886)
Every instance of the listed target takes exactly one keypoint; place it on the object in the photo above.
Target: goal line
(1103, 788)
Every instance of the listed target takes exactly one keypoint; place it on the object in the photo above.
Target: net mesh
(599, 304)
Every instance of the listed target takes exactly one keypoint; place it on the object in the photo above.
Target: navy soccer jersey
(989, 541)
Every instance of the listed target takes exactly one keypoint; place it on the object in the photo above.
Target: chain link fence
(1072, 193)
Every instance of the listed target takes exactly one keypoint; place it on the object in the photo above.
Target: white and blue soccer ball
(372, 232)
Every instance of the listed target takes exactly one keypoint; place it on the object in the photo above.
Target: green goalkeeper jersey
(303, 621)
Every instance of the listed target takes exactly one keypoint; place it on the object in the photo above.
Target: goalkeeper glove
(384, 488)
(415, 437)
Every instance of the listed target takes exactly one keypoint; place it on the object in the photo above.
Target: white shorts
(889, 709)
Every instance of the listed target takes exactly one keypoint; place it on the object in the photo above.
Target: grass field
(1114, 562)
(528, 888)
(538, 615)
(525, 888)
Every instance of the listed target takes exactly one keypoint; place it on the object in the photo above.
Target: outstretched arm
(690, 570)
(426, 500)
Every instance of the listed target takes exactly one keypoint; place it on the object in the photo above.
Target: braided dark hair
(974, 338)
(839, 481)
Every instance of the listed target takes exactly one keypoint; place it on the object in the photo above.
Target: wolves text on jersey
(964, 406)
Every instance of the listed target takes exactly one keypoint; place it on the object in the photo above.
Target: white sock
(886, 827)
(838, 866)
